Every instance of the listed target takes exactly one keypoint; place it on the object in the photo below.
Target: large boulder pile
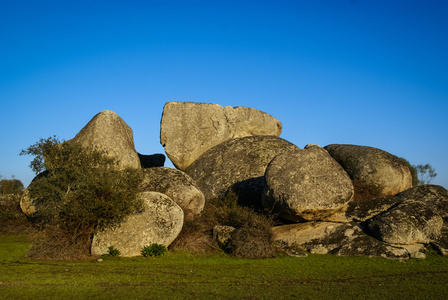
(340, 199)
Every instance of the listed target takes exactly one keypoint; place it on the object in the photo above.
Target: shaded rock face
(160, 223)
(306, 184)
(26, 202)
(108, 132)
(374, 172)
(178, 186)
(441, 243)
(408, 222)
(433, 196)
(239, 163)
(341, 239)
(190, 129)
(151, 161)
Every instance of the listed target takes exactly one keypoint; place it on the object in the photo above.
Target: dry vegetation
(251, 239)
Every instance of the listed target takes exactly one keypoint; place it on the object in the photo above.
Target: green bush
(111, 252)
(12, 219)
(83, 191)
(154, 250)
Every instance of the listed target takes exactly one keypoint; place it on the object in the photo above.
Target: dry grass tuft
(251, 239)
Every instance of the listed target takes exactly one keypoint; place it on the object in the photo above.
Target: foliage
(12, 219)
(413, 170)
(111, 252)
(154, 250)
(39, 150)
(10, 186)
(421, 174)
(83, 191)
(426, 174)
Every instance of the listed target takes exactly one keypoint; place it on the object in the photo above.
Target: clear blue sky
(365, 72)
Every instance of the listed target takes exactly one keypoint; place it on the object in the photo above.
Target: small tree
(83, 191)
(426, 174)
(421, 174)
(38, 150)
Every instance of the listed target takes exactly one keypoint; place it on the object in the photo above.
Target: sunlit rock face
(189, 129)
(408, 222)
(237, 164)
(343, 239)
(178, 186)
(160, 222)
(374, 172)
(306, 184)
(108, 132)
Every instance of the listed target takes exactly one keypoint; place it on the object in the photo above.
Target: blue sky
(365, 72)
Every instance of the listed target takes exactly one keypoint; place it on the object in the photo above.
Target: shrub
(12, 219)
(82, 192)
(10, 187)
(251, 239)
(154, 250)
(111, 252)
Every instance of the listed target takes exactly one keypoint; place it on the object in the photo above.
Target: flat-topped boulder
(160, 222)
(306, 184)
(238, 164)
(189, 129)
(374, 172)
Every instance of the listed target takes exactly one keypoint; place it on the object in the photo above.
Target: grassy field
(184, 276)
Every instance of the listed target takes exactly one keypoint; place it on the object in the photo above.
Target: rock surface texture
(107, 131)
(433, 196)
(239, 164)
(178, 186)
(160, 223)
(306, 185)
(343, 239)
(408, 222)
(374, 172)
(190, 129)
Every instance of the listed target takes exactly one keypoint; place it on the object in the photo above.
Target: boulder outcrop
(433, 196)
(189, 129)
(343, 239)
(159, 223)
(408, 222)
(178, 186)
(374, 172)
(237, 164)
(306, 184)
(108, 132)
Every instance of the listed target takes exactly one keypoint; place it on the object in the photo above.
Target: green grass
(185, 276)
